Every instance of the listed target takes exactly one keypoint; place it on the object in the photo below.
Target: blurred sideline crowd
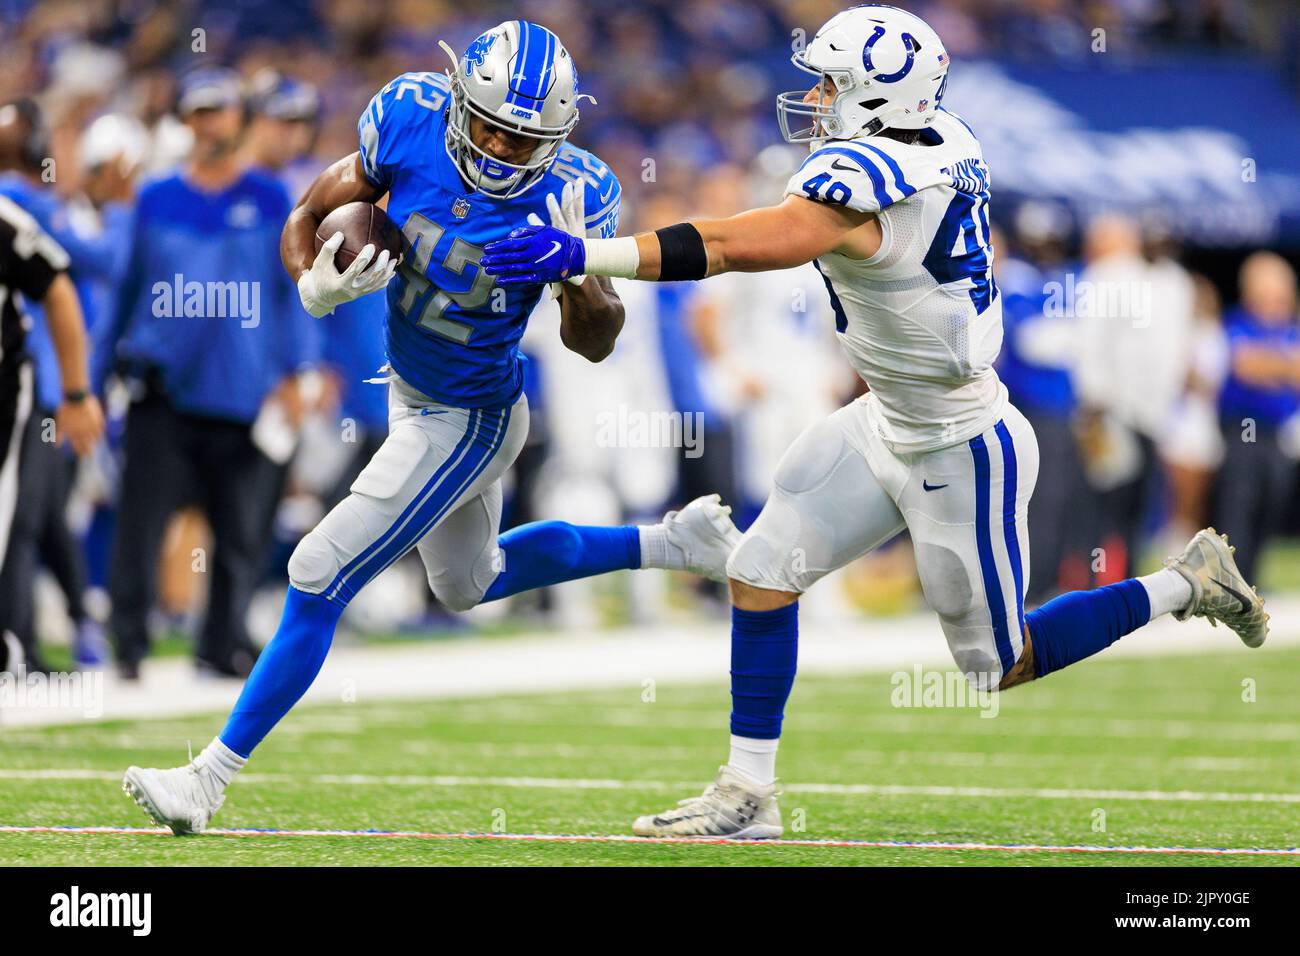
(1161, 400)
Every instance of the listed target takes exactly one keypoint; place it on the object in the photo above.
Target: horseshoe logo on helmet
(908, 43)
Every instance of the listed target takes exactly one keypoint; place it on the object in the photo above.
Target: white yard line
(687, 841)
(688, 786)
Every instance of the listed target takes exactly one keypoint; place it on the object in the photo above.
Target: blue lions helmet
(518, 77)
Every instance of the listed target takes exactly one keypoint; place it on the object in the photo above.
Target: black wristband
(681, 253)
(75, 395)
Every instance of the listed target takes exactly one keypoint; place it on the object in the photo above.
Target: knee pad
(971, 650)
(314, 563)
(462, 589)
(811, 460)
(793, 542)
(457, 596)
(769, 554)
(945, 580)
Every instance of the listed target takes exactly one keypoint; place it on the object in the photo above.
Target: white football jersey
(921, 320)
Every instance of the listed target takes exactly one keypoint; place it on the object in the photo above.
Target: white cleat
(705, 535)
(733, 807)
(183, 798)
(1219, 592)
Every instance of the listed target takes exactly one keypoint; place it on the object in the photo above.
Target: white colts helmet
(888, 70)
(517, 77)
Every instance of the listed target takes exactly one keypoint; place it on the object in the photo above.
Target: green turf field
(1146, 730)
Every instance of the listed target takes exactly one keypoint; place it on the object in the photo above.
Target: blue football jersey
(452, 332)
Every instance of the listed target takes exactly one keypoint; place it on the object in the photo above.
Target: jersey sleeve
(602, 202)
(31, 257)
(381, 130)
(860, 176)
(602, 191)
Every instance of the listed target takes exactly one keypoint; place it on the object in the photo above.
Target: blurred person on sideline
(284, 119)
(607, 460)
(692, 348)
(283, 127)
(1035, 363)
(206, 329)
(1192, 448)
(112, 153)
(1134, 328)
(40, 531)
(1260, 396)
(33, 268)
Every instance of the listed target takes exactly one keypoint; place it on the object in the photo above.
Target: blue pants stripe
(988, 565)
(425, 522)
(439, 476)
(1009, 519)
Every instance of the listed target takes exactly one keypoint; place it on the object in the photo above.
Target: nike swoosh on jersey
(926, 486)
(835, 164)
(555, 247)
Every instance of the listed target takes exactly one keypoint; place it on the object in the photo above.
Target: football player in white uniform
(892, 207)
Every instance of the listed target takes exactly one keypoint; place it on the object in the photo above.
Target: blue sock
(284, 671)
(548, 552)
(764, 652)
(1079, 624)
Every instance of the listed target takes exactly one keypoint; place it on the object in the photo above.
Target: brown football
(361, 223)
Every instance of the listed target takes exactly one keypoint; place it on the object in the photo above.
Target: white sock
(1167, 590)
(657, 551)
(222, 762)
(754, 758)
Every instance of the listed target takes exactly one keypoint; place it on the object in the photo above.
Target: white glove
(322, 287)
(570, 215)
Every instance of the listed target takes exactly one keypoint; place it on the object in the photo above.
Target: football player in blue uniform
(463, 157)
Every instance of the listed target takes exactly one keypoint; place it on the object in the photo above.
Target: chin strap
(455, 60)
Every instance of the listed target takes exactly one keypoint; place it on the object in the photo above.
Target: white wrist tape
(612, 257)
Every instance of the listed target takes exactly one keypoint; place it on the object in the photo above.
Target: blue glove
(534, 254)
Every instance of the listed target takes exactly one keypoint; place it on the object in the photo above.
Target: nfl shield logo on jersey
(460, 208)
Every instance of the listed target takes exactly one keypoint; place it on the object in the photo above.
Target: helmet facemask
(823, 118)
(482, 171)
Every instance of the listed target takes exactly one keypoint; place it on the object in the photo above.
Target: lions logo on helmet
(517, 77)
(887, 69)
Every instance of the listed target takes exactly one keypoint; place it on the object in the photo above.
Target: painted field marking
(565, 783)
(705, 841)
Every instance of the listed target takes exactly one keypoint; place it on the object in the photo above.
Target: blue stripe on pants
(1009, 519)
(492, 435)
(477, 447)
(347, 571)
(988, 565)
